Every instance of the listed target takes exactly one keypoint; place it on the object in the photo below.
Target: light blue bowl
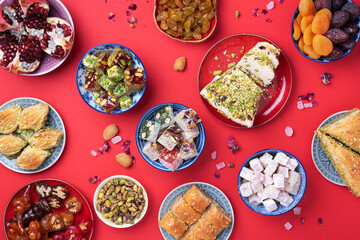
(149, 115)
(88, 97)
(355, 36)
(281, 209)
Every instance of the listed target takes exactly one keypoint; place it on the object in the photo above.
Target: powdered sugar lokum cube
(281, 158)
(256, 165)
(279, 181)
(292, 184)
(287, 201)
(257, 177)
(257, 187)
(271, 167)
(171, 137)
(265, 159)
(292, 164)
(187, 119)
(191, 133)
(270, 205)
(282, 196)
(262, 195)
(271, 191)
(188, 149)
(245, 189)
(246, 173)
(283, 170)
(254, 199)
(152, 150)
(268, 180)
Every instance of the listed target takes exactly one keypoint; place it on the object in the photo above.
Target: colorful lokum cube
(149, 130)
(171, 159)
(171, 137)
(119, 90)
(106, 83)
(270, 205)
(101, 65)
(292, 184)
(164, 116)
(125, 101)
(107, 102)
(191, 133)
(121, 58)
(89, 61)
(256, 165)
(246, 173)
(152, 150)
(281, 158)
(188, 149)
(187, 119)
(245, 189)
(92, 81)
(115, 73)
(254, 199)
(271, 191)
(287, 201)
(96, 94)
(134, 80)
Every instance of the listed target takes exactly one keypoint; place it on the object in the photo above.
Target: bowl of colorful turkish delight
(272, 182)
(170, 136)
(111, 78)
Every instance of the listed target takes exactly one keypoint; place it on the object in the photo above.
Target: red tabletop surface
(338, 208)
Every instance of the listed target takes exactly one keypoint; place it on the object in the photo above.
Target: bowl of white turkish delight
(272, 182)
(170, 136)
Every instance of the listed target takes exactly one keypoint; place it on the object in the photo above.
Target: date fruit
(320, 4)
(351, 28)
(348, 44)
(337, 53)
(353, 9)
(339, 19)
(336, 35)
(336, 4)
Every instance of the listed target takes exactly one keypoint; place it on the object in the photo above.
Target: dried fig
(336, 35)
(339, 19)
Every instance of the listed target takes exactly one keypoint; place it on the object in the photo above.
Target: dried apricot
(306, 7)
(320, 24)
(325, 11)
(308, 35)
(301, 44)
(305, 22)
(308, 49)
(297, 31)
(322, 45)
(299, 18)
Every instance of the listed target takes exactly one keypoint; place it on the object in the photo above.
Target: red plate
(278, 93)
(86, 211)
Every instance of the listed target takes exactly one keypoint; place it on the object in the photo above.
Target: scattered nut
(179, 64)
(110, 131)
(124, 159)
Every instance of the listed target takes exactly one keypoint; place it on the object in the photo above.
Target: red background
(338, 208)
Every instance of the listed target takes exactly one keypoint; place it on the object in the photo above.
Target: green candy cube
(106, 83)
(89, 61)
(119, 90)
(96, 94)
(125, 101)
(115, 73)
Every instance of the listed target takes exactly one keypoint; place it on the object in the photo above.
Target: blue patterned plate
(53, 120)
(88, 97)
(321, 161)
(281, 209)
(213, 192)
(149, 115)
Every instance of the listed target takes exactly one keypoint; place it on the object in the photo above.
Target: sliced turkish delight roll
(115, 73)
(164, 116)
(152, 150)
(188, 149)
(149, 130)
(191, 133)
(187, 119)
(170, 159)
(171, 137)
(89, 61)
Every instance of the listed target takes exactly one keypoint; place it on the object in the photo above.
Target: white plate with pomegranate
(36, 36)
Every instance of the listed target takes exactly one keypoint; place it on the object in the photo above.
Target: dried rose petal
(302, 220)
(268, 20)
(314, 103)
(132, 20)
(91, 180)
(231, 165)
(217, 175)
(213, 155)
(297, 211)
(97, 178)
(132, 6)
(300, 105)
(325, 78)
(308, 105)
(281, 1)
(128, 13)
(220, 165)
(100, 150)
(270, 5)
(116, 139)
(288, 226)
(289, 131)
(132, 25)
(111, 16)
(93, 153)
(302, 97)
(320, 221)
(122, 147)
(255, 14)
(310, 96)
(126, 143)
(264, 11)
(127, 150)
(106, 146)
(133, 159)
(233, 145)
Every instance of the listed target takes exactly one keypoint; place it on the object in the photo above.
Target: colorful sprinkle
(100, 150)
(132, 20)
(302, 220)
(320, 221)
(127, 150)
(133, 159)
(97, 178)
(314, 103)
(302, 97)
(132, 25)
(255, 14)
(128, 13)
(233, 145)
(126, 143)
(325, 78)
(92, 180)
(281, 1)
(220, 165)
(264, 11)
(237, 14)
(310, 96)
(231, 165)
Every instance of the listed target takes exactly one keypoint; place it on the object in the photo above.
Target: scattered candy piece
(233, 145)
(111, 15)
(302, 220)
(100, 150)
(127, 150)
(308, 105)
(268, 20)
(106, 146)
(310, 96)
(297, 211)
(128, 13)
(132, 20)
(237, 14)
(97, 178)
(320, 221)
(264, 11)
(288, 226)
(231, 165)
(92, 180)
(220, 165)
(325, 78)
(281, 1)
(133, 159)
(213, 155)
(217, 175)
(255, 12)
(132, 25)
(93, 153)
(116, 139)
(300, 105)
(302, 97)
(132, 6)
(289, 131)
(270, 5)
(126, 143)
(314, 103)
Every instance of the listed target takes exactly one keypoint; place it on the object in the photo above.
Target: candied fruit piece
(321, 4)
(297, 31)
(308, 35)
(336, 35)
(325, 11)
(308, 49)
(162, 16)
(305, 22)
(320, 24)
(322, 45)
(164, 26)
(339, 19)
(306, 7)
(301, 44)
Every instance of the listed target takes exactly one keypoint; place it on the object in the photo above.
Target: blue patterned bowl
(88, 97)
(213, 192)
(53, 120)
(281, 209)
(321, 161)
(355, 36)
(149, 115)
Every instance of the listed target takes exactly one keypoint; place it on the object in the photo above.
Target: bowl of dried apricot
(326, 30)
(186, 20)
